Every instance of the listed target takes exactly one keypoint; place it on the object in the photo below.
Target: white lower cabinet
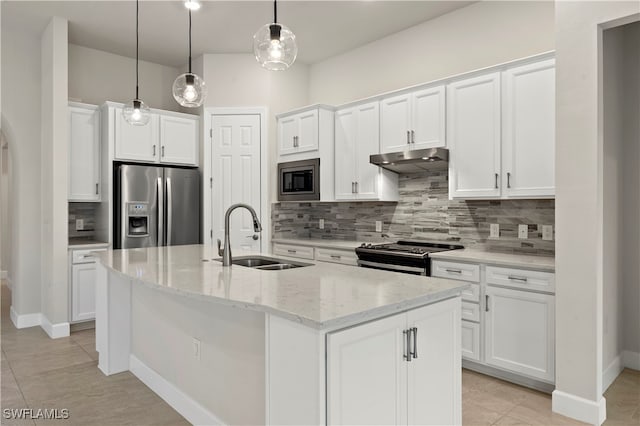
(470, 337)
(83, 285)
(388, 372)
(520, 332)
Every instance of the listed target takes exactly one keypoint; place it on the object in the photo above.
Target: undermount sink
(265, 263)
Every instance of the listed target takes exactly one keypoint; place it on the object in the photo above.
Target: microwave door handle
(160, 215)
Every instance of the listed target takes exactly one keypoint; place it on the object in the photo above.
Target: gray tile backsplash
(86, 212)
(424, 212)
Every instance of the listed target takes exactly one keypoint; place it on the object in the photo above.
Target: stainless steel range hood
(415, 161)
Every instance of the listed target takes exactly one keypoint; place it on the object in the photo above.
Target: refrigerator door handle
(160, 193)
(169, 212)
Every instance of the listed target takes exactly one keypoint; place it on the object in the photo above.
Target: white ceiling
(323, 28)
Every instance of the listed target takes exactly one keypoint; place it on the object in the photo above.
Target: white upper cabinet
(84, 153)
(413, 120)
(473, 128)
(300, 132)
(528, 148)
(178, 140)
(287, 134)
(356, 138)
(169, 138)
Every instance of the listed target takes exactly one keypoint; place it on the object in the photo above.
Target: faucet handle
(220, 250)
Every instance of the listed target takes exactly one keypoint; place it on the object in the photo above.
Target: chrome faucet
(226, 252)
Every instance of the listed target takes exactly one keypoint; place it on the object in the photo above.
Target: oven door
(299, 180)
(415, 270)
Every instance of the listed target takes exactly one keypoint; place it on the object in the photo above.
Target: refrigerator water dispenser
(137, 220)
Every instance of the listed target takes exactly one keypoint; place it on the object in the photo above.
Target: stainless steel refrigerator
(156, 206)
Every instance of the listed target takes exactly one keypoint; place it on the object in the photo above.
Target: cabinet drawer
(521, 278)
(470, 340)
(471, 294)
(302, 252)
(84, 256)
(455, 271)
(346, 257)
(470, 311)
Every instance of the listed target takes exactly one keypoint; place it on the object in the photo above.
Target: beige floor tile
(84, 337)
(476, 415)
(52, 359)
(511, 421)
(540, 416)
(493, 400)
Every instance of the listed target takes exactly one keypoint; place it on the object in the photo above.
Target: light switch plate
(523, 232)
(321, 224)
(378, 226)
(79, 224)
(547, 232)
(494, 231)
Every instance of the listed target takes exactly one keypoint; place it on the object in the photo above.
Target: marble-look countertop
(321, 243)
(542, 263)
(322, 296)
(84, 242)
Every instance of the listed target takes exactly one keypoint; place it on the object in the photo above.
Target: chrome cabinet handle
(486, 303)
(496, 181)
(96, 189)
(508, 180)
(336, 256)
(291, 251)
(413, 137)
(162, 155)
(408, 137)
(154, 150)
(454, 271)
(407, 349)
(512, 278)
(356, 187)
(254, 236)
(353, 190)
(415, 342)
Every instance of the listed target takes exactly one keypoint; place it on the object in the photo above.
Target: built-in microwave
(299, 180)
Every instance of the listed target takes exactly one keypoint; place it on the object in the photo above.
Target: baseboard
(611, 373)
(508, 376)
(191, 410)
(55, 331)
(579, 408)
(26, 320)
(631, 360)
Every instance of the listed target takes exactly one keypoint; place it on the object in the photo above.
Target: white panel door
(473, 135)
(236, 176)
(287, 132)
(308, 131)
(520, 332)
(434, 373)
(83, 292)
(136, 143)
(368, 131)
(178, 140)
(84, 154)
(529, 131)
(395, 123)
(345, 153)
(428, 118)
(470, 340)
(367, 375)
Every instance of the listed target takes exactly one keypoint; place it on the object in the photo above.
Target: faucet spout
(226, 251)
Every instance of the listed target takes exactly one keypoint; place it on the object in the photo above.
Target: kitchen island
(323, 343)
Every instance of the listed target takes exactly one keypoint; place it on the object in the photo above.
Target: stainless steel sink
(265, 263)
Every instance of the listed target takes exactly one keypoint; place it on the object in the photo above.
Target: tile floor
(39, 372)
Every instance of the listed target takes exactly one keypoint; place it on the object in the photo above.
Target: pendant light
(136, 112)
(188, 89)
(275, 45)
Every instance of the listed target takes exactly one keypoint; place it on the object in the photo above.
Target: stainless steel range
(407, 256)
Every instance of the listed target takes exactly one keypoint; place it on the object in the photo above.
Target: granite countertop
(85, 242)
(321, 296)
(543, 263)
(317, 242)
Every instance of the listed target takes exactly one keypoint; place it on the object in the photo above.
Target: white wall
(579, 206)
(21, 127)
(477, 36)
(54, 166)
(96, 76)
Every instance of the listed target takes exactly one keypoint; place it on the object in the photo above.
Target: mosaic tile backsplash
(424, 212)
(86, 212)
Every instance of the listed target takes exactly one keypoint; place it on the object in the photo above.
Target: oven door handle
(399, 268)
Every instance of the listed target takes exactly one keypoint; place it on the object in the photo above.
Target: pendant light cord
(275, 12)
(137, 37)
(189, 41)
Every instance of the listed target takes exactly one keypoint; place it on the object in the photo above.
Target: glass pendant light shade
(274, 46)
(189, 90)
(136, 113)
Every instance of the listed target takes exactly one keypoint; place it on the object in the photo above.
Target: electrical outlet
(494, 231)
(523, 232)
(79, 224)
(547, 232)
(378, 226)
(321, 224)
(196, 349)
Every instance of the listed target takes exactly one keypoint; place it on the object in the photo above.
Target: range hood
(414, 161)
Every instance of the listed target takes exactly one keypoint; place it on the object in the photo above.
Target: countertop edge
(334, 244)
(80, 246)
(499, 260)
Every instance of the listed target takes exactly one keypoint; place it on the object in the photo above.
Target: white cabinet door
(83, 292)
(84, 154)
(428, 118)
(395, 123)
(529, 131)
(136, 143)
(520, 332)
(434, 375)
(178, 140)
(473, 135)
(287, 132)
(345, 154)
(470, 340)
(368, 143)
(308, 131)
(367, 375)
